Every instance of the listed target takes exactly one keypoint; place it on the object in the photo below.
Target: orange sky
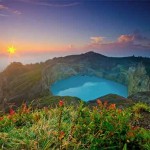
(22, 48)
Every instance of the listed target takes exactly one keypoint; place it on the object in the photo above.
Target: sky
(43, 29)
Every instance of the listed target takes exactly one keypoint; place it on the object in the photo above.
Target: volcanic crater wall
(27, 82)
(135, 78)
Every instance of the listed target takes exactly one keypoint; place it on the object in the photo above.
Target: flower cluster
(25, 109)
(11, 112)
(105, 105)
(61, 103)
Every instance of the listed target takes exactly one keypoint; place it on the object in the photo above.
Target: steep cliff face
(135, 78)
(138, 80)
(141, 97)
(61, 71)
(128, 71)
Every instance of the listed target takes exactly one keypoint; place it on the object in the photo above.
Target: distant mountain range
(30, 81)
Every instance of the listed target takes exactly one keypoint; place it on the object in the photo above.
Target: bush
(139, 107)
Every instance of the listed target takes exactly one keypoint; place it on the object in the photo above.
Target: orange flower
(55, 133)
(99, 102)
(135, 128)
(1, 118)
(25, 109)
(11, 112)
(130, 134)
(62, 134)
(119, 111)
(61, 103)
(112, 106)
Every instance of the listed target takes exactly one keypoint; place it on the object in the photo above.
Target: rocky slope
(120, 101)
(19, 81)
(141, 97)
(138, 79)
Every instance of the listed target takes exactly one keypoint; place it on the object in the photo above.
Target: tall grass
(69, 127)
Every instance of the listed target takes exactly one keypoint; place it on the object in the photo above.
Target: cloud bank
(51, 3)
(134, 43)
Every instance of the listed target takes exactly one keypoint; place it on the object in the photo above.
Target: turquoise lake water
(87, 87)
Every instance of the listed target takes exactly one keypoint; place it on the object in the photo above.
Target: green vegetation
(70, 127)
(18, 78)
(139, 107)
(27, 79)
(52, 101)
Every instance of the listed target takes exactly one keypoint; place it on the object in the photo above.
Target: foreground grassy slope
(70, 127)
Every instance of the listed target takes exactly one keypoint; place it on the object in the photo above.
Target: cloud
(126, 43)
(51, 3)
(135, 38)
(126, 38)
(3, 15)
(6, 10)
(17, 12)
(97, 39)
(2, 7)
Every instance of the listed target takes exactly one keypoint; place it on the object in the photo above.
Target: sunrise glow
(68, 27)
(11, 50)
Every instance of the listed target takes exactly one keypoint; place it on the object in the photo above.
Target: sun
(11, 50)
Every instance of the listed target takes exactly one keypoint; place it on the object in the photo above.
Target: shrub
(139, 107)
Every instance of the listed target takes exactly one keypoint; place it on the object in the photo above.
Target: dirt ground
(144, 121)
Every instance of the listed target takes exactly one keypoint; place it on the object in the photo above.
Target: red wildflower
(119, 111)
(61, 103)
(62, 134)
(1, 118)
(99, 102)
(112, 106)
(11, 112)
(25, 109)
(135, 127)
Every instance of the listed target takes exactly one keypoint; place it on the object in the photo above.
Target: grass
(139, 107)
(70, 127)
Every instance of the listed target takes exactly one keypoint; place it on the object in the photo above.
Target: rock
(138, 80)
(120, 101)
(141, 97)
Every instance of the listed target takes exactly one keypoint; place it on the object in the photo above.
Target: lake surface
(87, 87)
